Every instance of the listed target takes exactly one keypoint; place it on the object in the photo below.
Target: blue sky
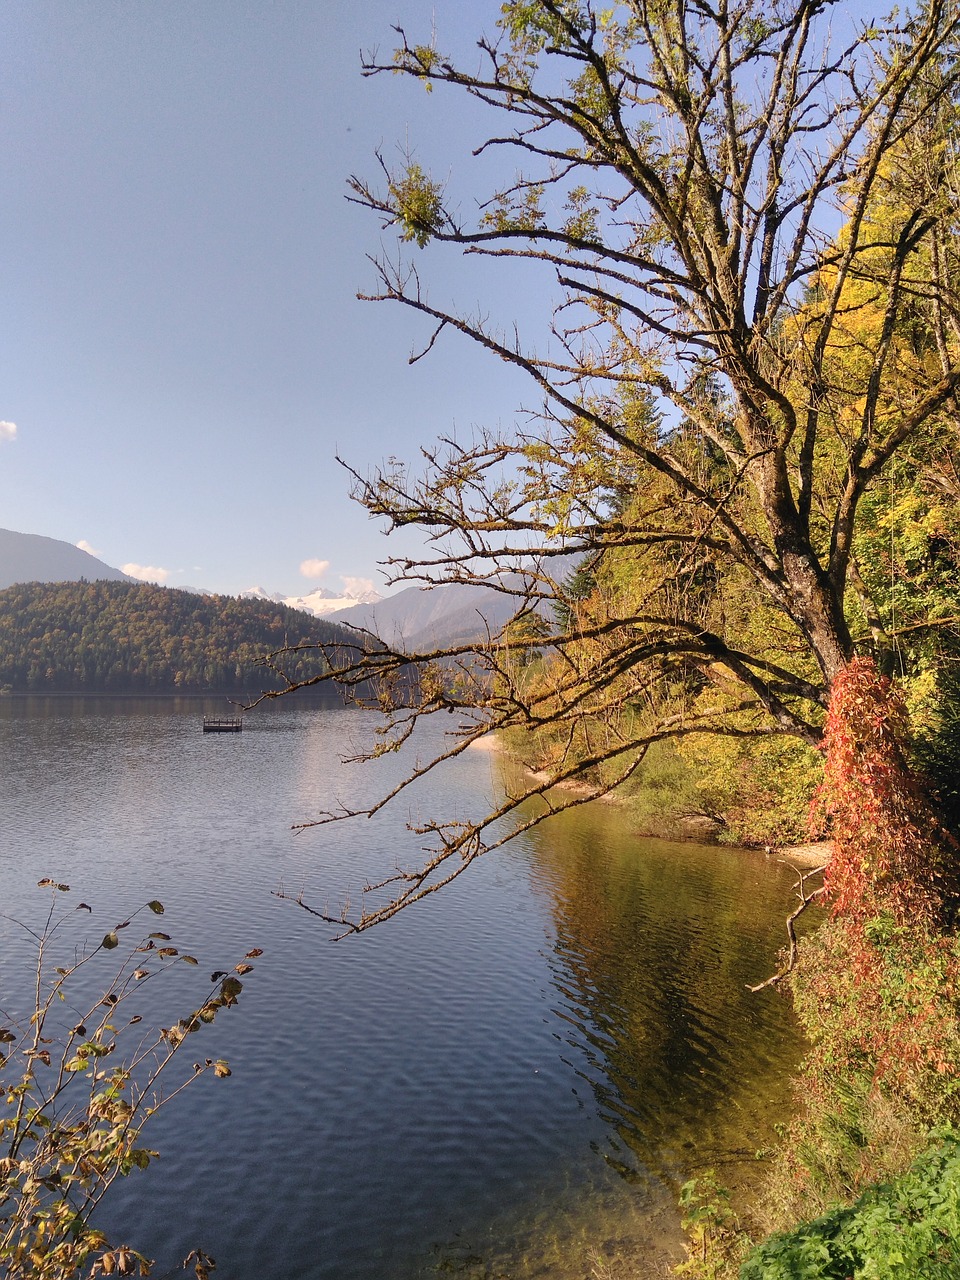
(181, 349)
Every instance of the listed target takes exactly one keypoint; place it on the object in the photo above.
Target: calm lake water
(509, 1080)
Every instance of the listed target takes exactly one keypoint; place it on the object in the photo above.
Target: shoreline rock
(813, 855)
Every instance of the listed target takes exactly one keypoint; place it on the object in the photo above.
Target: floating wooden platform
(222, 724)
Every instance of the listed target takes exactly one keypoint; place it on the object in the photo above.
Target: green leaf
(110, 940)
(156, 907)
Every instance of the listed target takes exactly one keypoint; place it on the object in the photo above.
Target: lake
(511, 1079)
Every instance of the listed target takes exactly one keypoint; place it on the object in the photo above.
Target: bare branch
(806, 899)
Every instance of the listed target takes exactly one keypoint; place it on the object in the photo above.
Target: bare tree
(749, 211)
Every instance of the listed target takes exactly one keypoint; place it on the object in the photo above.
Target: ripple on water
(512, 1078)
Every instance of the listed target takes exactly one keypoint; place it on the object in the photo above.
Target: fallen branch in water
(805, 900)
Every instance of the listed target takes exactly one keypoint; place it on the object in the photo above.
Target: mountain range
(30, 557)
(423, 618)
(415, 618)
(319, 602)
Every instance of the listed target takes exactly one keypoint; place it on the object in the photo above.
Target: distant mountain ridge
(419, 618)
(30, 557)
(416, 618)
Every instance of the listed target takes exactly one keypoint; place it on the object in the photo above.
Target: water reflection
(655, 945)
(509, 1080)
(651, 948)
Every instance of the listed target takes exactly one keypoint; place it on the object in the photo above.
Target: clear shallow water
(509, 1080)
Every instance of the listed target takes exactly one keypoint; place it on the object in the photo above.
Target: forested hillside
(134, 637)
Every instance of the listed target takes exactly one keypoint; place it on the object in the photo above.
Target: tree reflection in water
(655, 945)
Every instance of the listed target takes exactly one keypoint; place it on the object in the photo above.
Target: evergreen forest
(119, 637)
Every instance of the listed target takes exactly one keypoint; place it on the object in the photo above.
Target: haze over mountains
(413, 618)
(418, 619)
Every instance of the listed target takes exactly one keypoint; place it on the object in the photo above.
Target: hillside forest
(119, 637)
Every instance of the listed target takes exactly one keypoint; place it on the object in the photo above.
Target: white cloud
(356, 587)
(8, 431)
(314, 568)
(146, 572)
(84, 545)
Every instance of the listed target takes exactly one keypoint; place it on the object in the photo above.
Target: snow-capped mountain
(319, 602)
(418, 618)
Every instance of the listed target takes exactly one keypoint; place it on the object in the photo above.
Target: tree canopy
(122, 637)
(748, 216)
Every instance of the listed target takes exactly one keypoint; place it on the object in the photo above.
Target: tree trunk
(813, 601)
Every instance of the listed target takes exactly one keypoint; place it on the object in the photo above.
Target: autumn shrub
(877, 988)
(81, 1075)
(891, 853)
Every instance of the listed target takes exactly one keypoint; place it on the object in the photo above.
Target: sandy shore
(804, 855)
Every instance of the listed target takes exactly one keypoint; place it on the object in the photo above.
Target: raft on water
(222, 724)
